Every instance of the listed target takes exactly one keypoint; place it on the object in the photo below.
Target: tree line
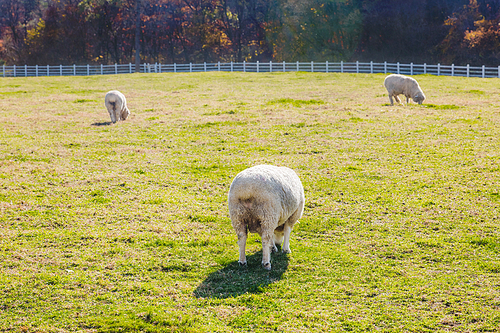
(104, 31)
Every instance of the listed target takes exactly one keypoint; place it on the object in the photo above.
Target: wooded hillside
(103, 31)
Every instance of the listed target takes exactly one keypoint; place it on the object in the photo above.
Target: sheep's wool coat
(403, 85)
(267, 200)
(116, 104)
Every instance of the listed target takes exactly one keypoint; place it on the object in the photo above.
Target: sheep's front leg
(267, 246)
(286, 241)
(390, 99)
(125, 114)
(242, 241)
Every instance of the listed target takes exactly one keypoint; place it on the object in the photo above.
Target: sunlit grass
(124, 227)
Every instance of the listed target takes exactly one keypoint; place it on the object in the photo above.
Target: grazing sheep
(399, 84)
(267, 200)
(117, 106)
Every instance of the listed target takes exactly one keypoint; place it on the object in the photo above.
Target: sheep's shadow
(234, 280)
(102, 123)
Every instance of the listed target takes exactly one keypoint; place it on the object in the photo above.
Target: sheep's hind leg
(242, 241)
(286, 241)
(278, 239)
(112, 115)
(267, 246)
(287, 230)
(118, 110)
(118, 114)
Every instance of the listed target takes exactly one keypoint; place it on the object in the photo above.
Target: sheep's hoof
(286, 251)
(267, 266)
(274, 249)
(242, 264)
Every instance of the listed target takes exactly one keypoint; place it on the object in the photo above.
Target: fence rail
(256, 67)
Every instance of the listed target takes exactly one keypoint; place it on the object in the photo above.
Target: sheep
(116, 104)
(399, 84)
(267, 200)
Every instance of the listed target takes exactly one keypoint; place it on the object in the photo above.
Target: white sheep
(399, 84)
(117, 106)
(267, 200)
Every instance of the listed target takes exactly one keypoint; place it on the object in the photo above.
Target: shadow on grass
(102, 123)
(234, 280)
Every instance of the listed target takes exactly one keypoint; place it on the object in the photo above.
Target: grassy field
(125, 227)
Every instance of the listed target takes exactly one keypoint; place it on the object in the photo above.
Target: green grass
(125, 228)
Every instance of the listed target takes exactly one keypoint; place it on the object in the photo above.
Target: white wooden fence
(257, 67)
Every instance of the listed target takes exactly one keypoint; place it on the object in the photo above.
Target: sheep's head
(419, 98)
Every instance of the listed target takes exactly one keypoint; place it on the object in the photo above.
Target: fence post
(3, 70)
(48, 70)
(439, 69)
(74, 70)
(205, 66)
(60, 70)
(425, 68)
(130, 68)
(36, 70)
(452, 69)
(326, 66)
(483, 71)
(284, 67)
(397, 64)
(88, 69)
(257, 66)
(175, 67)
(270, 66)
(14, 70)
(218, 66)
(357, 67)
(498, 71)
(26, 70)
(190, 67)
(116, 68)
(385, 67)
(411, 68)
(244, 66)
(342, 66)
(298, 66)
(231, 66)
(468, 70)
(371, 67)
